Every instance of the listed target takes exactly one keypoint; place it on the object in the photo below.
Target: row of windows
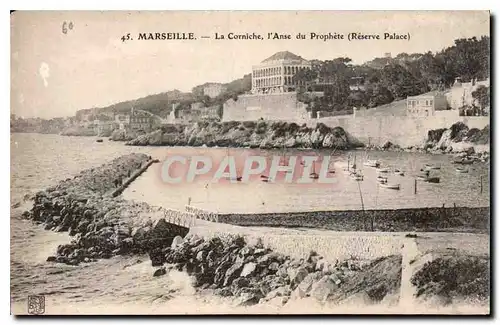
(276, 81)
(266, 72)
(427, 102)
(140, 120)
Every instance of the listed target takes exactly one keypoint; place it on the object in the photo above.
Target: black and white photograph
(250, 163)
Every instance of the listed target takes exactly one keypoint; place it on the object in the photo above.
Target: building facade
(426, 104)
(213, 90)
(275, 74)
(104, 128)
(141, 121)
(122, 120)
(460, 94)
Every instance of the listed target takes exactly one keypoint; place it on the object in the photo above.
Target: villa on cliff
(273, 94)
(275, 74)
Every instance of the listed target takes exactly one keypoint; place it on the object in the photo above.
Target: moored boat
(357, 177)
(383, 170)
(390, 186)
(372, 163)
(431, 166)
(463, 161)
(432, 180)
(462, 170)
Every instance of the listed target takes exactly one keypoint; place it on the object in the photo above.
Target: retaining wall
(419, 219)
(269, 107)
(202, 214)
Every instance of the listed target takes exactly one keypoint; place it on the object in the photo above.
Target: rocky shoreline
(252, 134)
(253, 274)
(101, 225)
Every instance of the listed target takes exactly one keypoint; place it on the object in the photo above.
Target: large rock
(322, 289)
(248, 269)
(177, 241)
(232, 273)
(296, 275)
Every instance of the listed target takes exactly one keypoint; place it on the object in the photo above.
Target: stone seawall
(423, 219)
(104, 225)
(405, 131)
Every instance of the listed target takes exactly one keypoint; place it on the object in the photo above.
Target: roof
(283, 55)
(427, 95)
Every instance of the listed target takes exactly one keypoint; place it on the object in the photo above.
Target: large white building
(275, 74)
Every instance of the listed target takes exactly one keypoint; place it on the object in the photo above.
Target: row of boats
(383, 172)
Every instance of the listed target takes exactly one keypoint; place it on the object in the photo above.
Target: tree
(380, 95)
(305, 77)
(336, 74)
(401, 82)
(482, 95)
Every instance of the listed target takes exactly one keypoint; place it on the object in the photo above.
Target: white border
(183, 5)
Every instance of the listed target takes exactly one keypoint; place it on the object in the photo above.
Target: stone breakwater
(104, 225)
(253, 134)
(419, 219)
(253, 274)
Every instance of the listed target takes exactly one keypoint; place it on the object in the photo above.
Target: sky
(55, 74)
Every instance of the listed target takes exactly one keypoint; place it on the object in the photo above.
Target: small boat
(463, 161)
(237, 178)
(372, 163)
(264, 176)
(347, 171)
(331, 171)
(382, 180)
(390, 186)
(430, 166)
(383, 170)
(432, 180)
(462, 170)
(399, 172)
(98, 140)
(357, 177)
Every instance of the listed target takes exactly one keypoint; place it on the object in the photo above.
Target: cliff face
(458, 138)
(254, 134)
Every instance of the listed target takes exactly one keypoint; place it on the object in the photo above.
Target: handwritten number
(67, 26)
